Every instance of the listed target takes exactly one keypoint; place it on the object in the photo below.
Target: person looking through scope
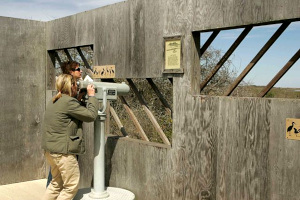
(71, 68)
(62, 137)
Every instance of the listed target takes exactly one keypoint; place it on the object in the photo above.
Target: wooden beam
(160, 96)
(208, 41)
(278, 76)
(236, 43)
(263, 50)
(131, 114)
(134, 119)
(68, 54)
(149, 113)
(195, 62)
(83, 58)
(118, 121)
(171, 80)
(58, 58)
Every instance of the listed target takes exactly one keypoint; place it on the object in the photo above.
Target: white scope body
(112, 89)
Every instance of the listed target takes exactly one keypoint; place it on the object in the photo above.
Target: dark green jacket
(62, 127)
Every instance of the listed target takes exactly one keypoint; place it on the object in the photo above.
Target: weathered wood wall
(228, 148)
(22, 87)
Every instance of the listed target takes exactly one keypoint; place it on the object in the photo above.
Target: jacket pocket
(74, 144)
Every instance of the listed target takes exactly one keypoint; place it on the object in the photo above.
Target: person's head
(72, 68)
(65, 84)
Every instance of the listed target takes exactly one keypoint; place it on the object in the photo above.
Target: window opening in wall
(145, 113)
(254, 61)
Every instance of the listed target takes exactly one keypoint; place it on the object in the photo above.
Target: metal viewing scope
(106, 91)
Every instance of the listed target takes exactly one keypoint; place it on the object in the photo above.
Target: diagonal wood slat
(83, 58)
(134, 119)
(263, 50)
(149, 113)
(160, 96)
(57, 57)
(209, 41)
(118, 121)
(278, 76)
(68, 54)
(132, 116)
(171, 80)
(236, 43)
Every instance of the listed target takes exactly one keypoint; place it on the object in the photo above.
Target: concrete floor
(30, 190)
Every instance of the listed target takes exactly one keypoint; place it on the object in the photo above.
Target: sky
(268, 66)
(47, 10)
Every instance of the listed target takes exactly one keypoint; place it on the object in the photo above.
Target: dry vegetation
(162, 116)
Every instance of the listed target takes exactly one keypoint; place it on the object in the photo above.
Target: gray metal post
(99, 191)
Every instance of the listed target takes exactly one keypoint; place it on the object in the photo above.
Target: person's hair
(63, 85)
(68, 66)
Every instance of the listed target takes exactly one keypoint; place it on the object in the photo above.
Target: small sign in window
(105, 71)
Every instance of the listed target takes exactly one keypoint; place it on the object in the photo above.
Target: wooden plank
(195, 60)
(252, 63)
(131, 115)
(149, 113)
(283, 154)
(171, 80)
(137, 42)
(144, 169)
(280, 74)
(23, 84)
(57, 58)
(160, 96)
(62, 33)
(134, 119)
(243, 149)
(50, 70)
(118, 121)
(154, 37)
(112, 46)
(208, 41)
(68, 54)
(236, 43)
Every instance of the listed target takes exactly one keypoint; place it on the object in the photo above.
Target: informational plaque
(173, 55)
(292, 129)
(105, 71)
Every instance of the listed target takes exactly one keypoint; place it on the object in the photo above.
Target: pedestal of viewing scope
(99, 191)
(114, 194)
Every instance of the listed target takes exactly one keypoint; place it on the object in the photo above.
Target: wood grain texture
(22, 88)
(244, 128)
(230, 13)
(126, 167)
(137, 37)
(112, 38)
(154, 22)
(61, 33)
(283, 159)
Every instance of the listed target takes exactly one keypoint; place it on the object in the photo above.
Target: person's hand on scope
(90, 90)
